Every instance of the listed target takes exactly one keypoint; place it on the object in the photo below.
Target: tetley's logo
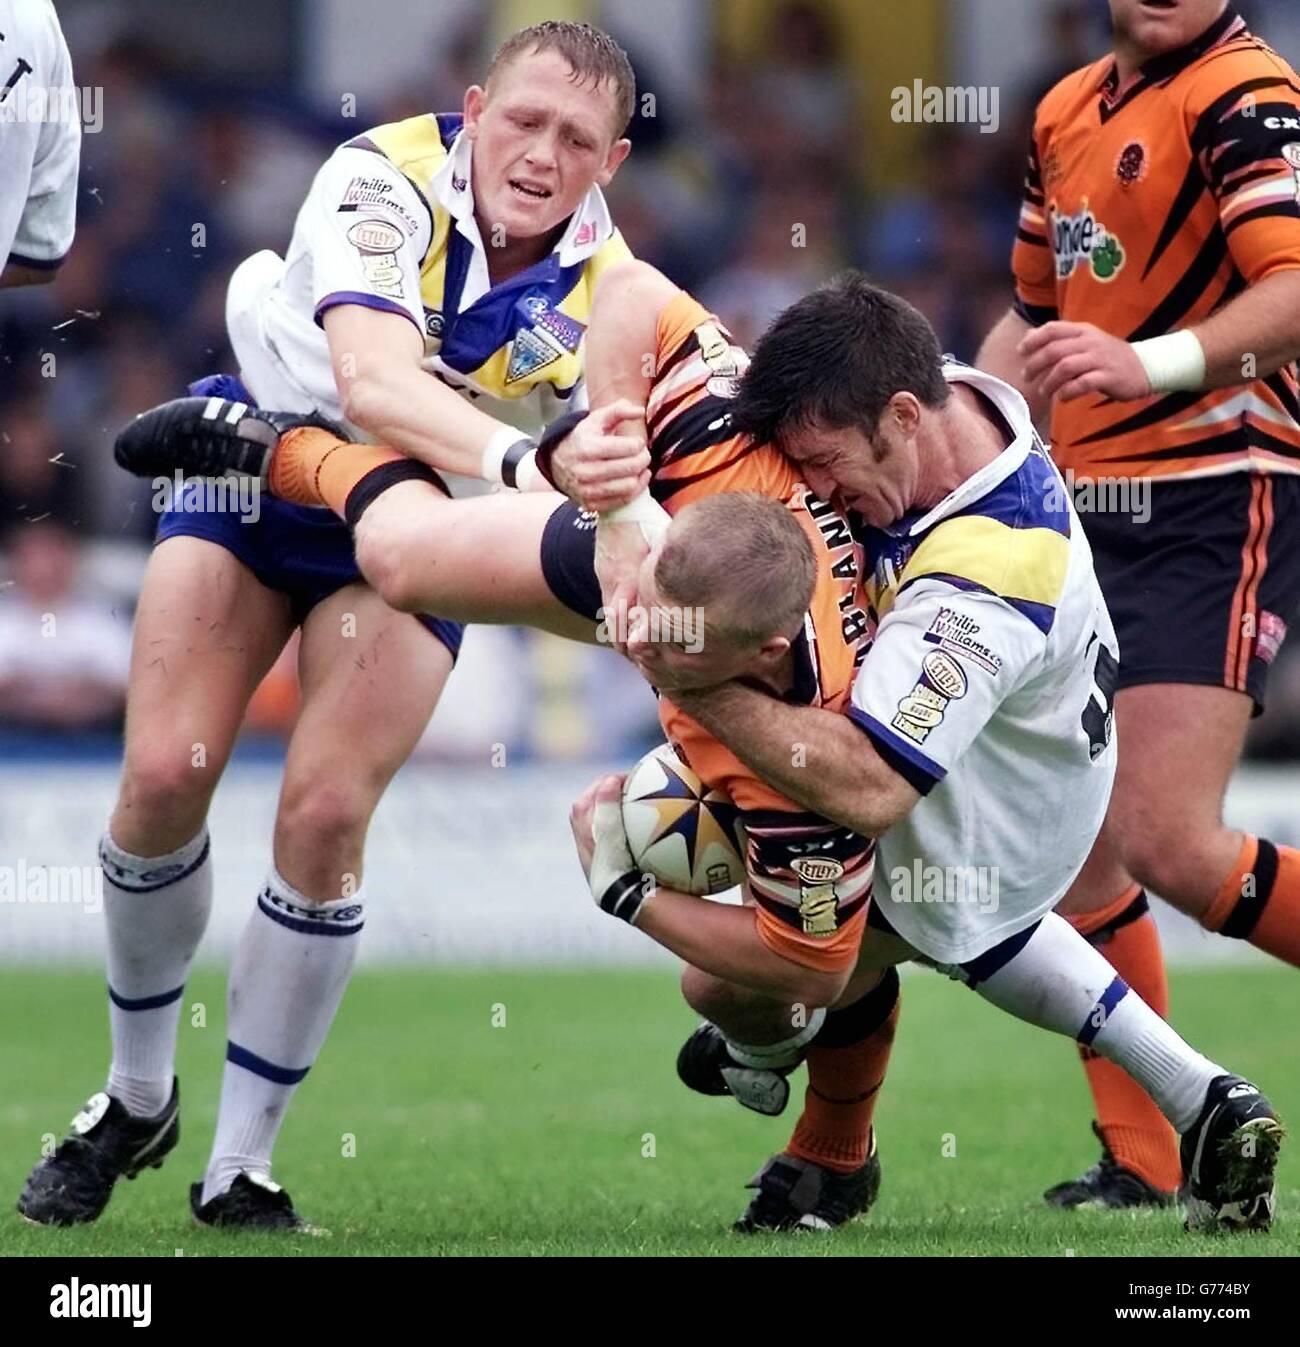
(1082, 240)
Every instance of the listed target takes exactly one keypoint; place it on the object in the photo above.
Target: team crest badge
(1131, 166)
(549, 336)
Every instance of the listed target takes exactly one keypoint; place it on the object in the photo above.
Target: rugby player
(1157, 311)
(978, 736)
(797, 947)
(435, 261)
(39, 156)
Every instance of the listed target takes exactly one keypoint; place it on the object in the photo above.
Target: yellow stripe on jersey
(1021, 565)
(415, 147)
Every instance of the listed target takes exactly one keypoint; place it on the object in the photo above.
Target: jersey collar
(590, 227)
(1015, 411)
(1229, 25)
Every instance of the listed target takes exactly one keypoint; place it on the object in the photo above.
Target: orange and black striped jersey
(810, 878)
(1147, 206)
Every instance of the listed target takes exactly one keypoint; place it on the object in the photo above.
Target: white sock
(1059, 981)
(156, 909)
(771, 1056)
(288, 977)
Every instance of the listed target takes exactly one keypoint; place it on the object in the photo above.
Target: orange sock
(1138, 1134)
(846, 1068)
(1259, 901)
(313, 467)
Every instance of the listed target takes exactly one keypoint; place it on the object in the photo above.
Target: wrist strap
(1174, 363)
(502, 455)
(625, 897)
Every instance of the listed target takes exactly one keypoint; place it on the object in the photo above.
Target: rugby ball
(678, 829)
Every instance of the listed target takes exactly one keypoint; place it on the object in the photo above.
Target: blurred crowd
(748, 198)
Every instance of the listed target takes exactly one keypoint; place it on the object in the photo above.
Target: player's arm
(1000, 356)
(917, 705)
(377, 355)
(817, 758)
(718, 938)
(1034, 273)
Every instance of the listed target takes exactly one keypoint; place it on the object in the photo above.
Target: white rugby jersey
(389, 224)
(40, 136)
(989, 686)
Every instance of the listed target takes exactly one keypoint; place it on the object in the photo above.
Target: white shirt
(40, 136)
(990, 685)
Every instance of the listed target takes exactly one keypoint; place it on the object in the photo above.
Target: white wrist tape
(496, 449)
(645, 511)
(527, 473)
(1175, 363)
(788, 1052)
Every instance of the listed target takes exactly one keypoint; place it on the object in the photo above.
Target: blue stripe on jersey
(1042, 615)
(897, 744)
(259, 1066)
(367, 301)
(146, 1002)
(449, 126)
(1101, 1012)
(1034, 496)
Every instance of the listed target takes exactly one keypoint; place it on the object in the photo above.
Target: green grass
(529, 1139)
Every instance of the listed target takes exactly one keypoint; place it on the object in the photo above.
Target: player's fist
(604, 461)
(1071, 360)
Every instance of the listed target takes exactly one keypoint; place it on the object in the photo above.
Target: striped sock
(1056, 980)
(1259, 901)
(1132, 1126)
(156, 910)
(286, 982)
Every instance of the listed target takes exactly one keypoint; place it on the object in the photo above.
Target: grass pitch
(426, 1128)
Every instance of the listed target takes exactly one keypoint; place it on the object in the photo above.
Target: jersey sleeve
(367, 232)
(44, 155)
(810, 880)
(1244, 126)
(1032, 263)
(693, 449)
(943, 661)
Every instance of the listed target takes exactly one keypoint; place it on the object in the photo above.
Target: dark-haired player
(1157, 309)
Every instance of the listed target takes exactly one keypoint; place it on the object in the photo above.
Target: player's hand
(604, 462)
(620, 551)
(1071, 360)
(597, 822)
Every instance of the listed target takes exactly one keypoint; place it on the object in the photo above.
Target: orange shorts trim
(827, 954)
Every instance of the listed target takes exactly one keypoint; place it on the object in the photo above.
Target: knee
(707, 995)
(1171, 861)
(165, 780)
(323, 818)
(384, 558)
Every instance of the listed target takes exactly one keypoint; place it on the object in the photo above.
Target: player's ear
(475, 102)
(774, 647)
(905, 408)
(618, 151)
